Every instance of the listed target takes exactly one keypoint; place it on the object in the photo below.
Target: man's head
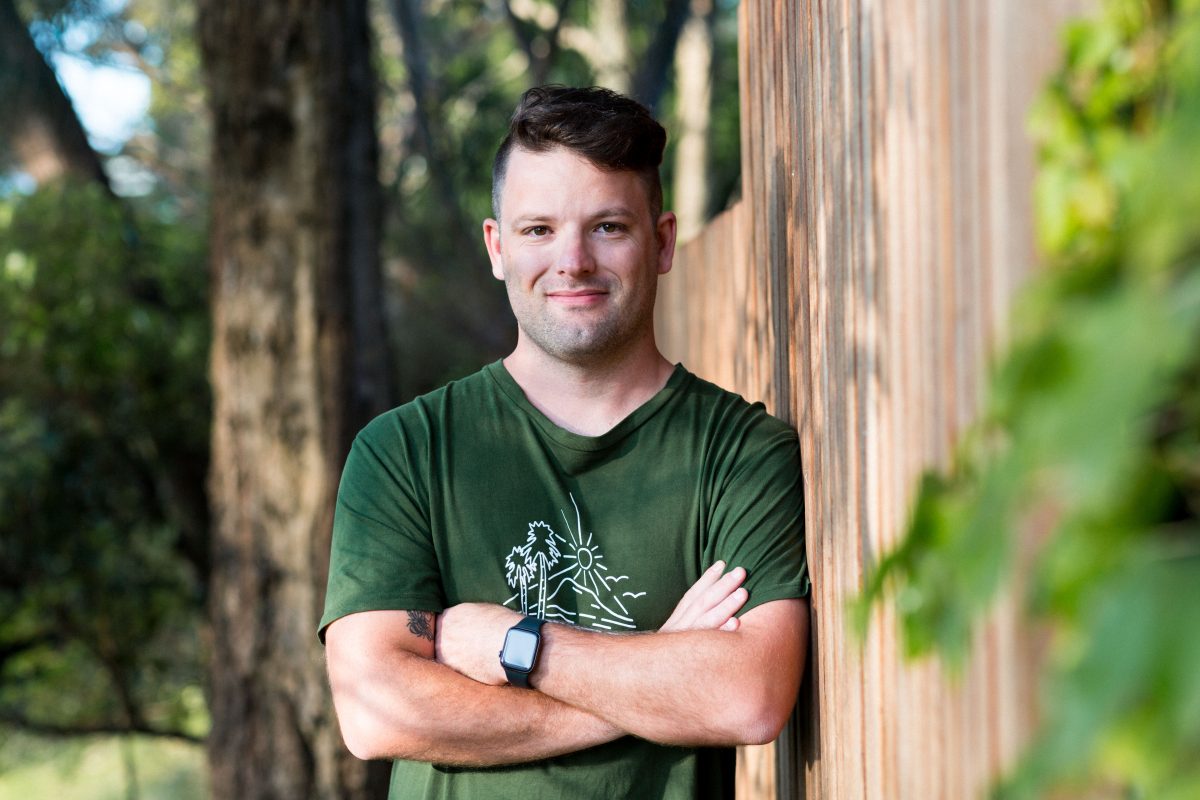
(610, 130)
(579, 236)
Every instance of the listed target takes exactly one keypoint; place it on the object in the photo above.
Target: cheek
(523, 269)
(517, 288)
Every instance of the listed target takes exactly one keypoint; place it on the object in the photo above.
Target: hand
(711, 602)
(469, 637)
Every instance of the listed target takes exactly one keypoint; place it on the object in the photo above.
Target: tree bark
(612, 59)
(651, 79)
(431, 134)
(39, 127)
(693, 70)
(298, 365)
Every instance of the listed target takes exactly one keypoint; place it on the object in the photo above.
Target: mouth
(577, 297)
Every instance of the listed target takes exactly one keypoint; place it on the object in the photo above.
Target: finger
(730, 580)
(709, 577)
(719, 591)
(690, 604)
(724, 611)
(697, 611)
(731, 624)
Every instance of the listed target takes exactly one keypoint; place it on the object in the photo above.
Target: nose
(575, 254)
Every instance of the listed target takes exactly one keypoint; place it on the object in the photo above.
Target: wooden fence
(858, 288)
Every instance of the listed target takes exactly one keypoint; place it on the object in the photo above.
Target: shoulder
(737, 441)
(404, 443)
(727, 414)
(424, 415)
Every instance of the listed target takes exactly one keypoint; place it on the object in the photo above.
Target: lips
(577, 295)
(586, 291)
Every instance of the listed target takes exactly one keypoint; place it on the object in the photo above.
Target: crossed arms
(413, 685)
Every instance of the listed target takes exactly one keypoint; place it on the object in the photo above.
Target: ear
(665, 230)
(491, 240)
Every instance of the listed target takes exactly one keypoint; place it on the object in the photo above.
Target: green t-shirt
(470, 494)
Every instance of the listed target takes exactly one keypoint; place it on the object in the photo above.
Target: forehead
(561, 181)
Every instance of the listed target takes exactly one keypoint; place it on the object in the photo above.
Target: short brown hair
(610, 130)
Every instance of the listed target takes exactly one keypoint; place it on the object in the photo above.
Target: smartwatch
(521, 646)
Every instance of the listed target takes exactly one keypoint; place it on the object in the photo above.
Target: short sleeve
(382, 556)
(757, 520)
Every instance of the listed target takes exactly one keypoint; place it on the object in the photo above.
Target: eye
(537, 230)
(610, 227)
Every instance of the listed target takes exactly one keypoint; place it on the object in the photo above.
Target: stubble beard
(584, 342)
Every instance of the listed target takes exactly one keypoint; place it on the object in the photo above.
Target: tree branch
(39, 122)
(15, 647)
(66, 730)
(539, 63)
(430, 136)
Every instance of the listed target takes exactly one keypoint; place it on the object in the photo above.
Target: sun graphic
(582, 560)
(588, 567)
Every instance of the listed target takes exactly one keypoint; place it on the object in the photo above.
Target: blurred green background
(105, 406)
(1090, 443)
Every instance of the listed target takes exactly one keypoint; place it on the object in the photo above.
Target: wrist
(520, 651)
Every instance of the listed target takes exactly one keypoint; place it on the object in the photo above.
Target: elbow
(360, 746)
(764, 728)
(367, 740)
(370, 679)
(361, 733)
(371, 728)
(361, 738)
(760, 712)
(760, 723)
(768, 689)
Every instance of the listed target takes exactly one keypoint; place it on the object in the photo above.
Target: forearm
(690, 687)
(698, 681)
(392, 703)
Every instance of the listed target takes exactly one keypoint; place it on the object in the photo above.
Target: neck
(588, 398)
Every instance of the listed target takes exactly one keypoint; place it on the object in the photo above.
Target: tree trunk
(693, 71)
(612, 37)
(38, 127)
(650, 81)
(298, 364)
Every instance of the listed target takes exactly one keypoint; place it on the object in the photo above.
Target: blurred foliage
(166, 160)
(66, 25)
(1086, 464)
(104, 409)
(165, 164)
(98, 768)
(104, 415)
(104, 403)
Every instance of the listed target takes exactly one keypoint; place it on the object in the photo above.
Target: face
(580, 255)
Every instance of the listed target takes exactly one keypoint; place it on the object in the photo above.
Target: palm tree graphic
(518, 572)
(541, 553)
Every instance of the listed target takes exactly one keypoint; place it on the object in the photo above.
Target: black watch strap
(531, 624)
(520, 677)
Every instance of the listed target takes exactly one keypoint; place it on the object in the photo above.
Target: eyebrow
(530, 219)
(538, 218)
(615, 211)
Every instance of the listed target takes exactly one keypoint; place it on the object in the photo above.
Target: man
(579, 572)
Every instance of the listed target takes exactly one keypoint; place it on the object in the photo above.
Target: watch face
(519, 649)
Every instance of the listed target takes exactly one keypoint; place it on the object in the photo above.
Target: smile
(581, 297)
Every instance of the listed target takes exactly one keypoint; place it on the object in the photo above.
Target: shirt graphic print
(548, 564)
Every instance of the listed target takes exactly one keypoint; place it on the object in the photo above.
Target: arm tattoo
(420, 623)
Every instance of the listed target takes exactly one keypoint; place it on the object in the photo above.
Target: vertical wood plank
(859, 289)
